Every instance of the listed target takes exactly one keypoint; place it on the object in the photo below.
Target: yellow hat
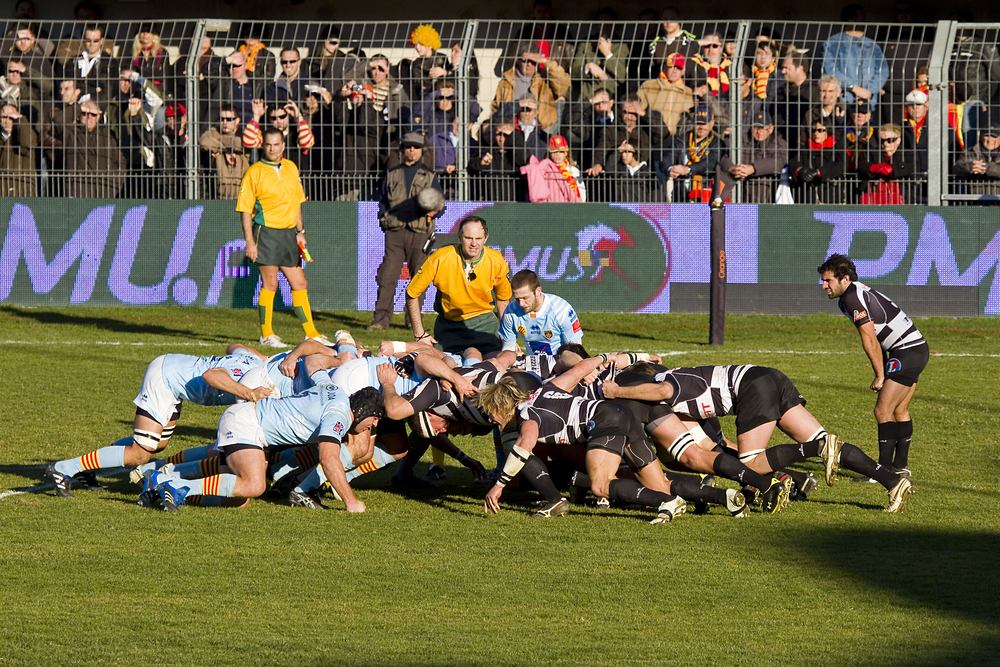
(427, 36)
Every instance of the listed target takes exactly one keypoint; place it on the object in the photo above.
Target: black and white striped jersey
(893, 328)
(542, 365)
(430, 395)
(563, 419)
(704, 391)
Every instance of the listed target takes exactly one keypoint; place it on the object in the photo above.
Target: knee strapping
(747, 457)
(146, 439)
(680, 445)
(820, 433)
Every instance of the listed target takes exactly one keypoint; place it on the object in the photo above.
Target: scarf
(697, 148)
(716, 76)
(917, 127)
(829, 142)
(760, 77)
(570, 179)
(251, 54)
(85, 64)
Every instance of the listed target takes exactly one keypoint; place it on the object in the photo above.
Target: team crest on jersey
(521, 330)
(576, 326)
(338, 428)
(237, 372)
(893, 366)
(548, 334)
(859, 315)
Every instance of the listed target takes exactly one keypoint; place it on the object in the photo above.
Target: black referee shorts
(904, 366)
(276, 247)
(765, 394)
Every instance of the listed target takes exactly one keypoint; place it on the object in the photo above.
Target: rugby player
(545, 322)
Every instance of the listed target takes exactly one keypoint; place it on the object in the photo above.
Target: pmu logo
(597, 246)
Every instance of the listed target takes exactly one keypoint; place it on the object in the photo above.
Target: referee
(270, 206)
(468, 277)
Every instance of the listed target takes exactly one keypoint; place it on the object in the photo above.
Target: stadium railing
(179, 74)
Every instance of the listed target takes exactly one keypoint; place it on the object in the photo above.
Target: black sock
(730, 467)
(690, 488)
(537, 475)
(903, 436)
(580, 480)
(854, 459)
(887, 434)
(631, 491)
(781, 456)
(418, 446)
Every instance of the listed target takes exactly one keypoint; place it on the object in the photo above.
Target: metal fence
(840, 114)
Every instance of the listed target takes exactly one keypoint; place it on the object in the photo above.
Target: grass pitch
(431, 580)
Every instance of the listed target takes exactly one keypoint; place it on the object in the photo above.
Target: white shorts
(352, 376)
(153, 396)
(239, 425)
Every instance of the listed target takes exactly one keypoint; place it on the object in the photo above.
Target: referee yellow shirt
(272, 193)
(461, 298)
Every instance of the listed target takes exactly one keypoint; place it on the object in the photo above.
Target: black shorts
(276, 247)
(764, 395)
(904, 366)
(616, 431)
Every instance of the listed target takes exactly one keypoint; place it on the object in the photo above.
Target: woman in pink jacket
(556, 178)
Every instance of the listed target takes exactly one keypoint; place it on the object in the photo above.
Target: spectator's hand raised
(293, 109)
(134, 106)
(486, 160)
(258, 108)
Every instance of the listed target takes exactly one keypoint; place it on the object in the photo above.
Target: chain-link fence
(744, 111)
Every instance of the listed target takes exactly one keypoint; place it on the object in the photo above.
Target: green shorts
(479, 332)
(276, 247)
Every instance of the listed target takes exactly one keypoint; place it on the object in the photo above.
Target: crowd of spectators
(604, 112)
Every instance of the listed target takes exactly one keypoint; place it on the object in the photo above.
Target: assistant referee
(270, 206)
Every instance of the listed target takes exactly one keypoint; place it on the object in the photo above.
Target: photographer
(406, 224)
(280, 118)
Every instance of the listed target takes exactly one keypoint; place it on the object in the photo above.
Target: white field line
(47, 486)
(167, 343)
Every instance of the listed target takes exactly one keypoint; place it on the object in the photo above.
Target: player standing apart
(896, 349)
(270, 207)
(545, 322)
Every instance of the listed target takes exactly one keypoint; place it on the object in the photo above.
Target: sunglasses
(470, 273)
(15, 71)
(821, 130)
(713, 46)
(888, 140)
(235, 65)
(227, 119)
(625, 150)
(289, 62)
(376, 67)
(527, 61)
(447, 97)
(8, 118)
(278, 116)
(91, 114)
(527, 109)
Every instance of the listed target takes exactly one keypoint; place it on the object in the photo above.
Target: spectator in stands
(712, 68)
(797, 96)
(671, 38)
(439, 108)
(419, 74)
(359, 131)
(630, 129)
(170, 155)
(131, 117)
(151, 60)
(18, 172)
(445, 143)
(239, 89)
(494, 168)
(95, 167)
(975, 68)
(260, 64)
(588, 123)
(390, 99)
(524, 78)
(209, 69)
(556, 178)
(856, 61)
(979, 166)
(331, 66)
(667, 93)
(94, 68)
(599, 63)
(58, 117)
(15, 90)
(765, 154)
(831, 108)
(528, 138)
(289, 86)
(915, 130)
(224, 145)
(766, 79)
(861, 138)
(819, 164)
(634, 177)
(884, 170)
(282, 118)
(693, 158)
(35, 54)
(454, 60)
(317, 109)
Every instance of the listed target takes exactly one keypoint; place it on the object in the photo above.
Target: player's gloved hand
(477, 469)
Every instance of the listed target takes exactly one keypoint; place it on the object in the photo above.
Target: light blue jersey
(323, 411)
(357, 374)
(285, 385)
(544, 332)
(181, 374)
